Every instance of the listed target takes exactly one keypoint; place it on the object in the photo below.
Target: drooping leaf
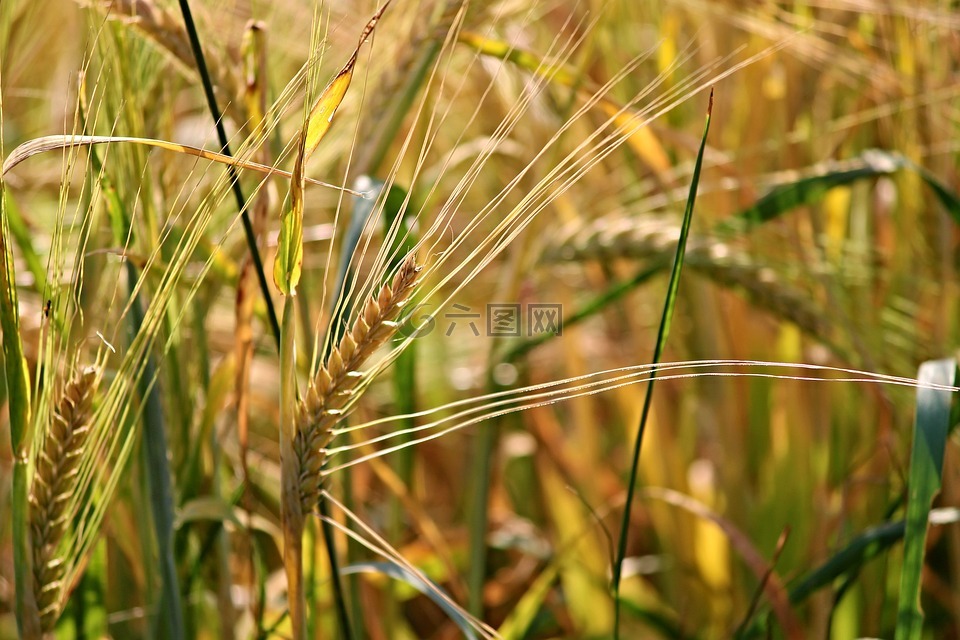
(397, 572)
(54, 143)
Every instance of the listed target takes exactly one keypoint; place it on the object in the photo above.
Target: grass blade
(931, 428)
(664, 330)
(852, 557)
(859, 551)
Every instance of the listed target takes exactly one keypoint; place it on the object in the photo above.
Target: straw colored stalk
(255, 73)
(52, 488)
(333, 387)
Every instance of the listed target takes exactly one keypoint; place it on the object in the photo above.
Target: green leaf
(864, 547)
(286, 266)
(931, 428)
(24, 238)
(18, 406)
(665, 320)
(15, 365)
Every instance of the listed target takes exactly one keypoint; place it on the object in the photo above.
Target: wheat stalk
(333, 387)
(52, 488)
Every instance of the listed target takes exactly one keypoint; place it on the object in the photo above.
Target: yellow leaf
(286, 266)
(321, 116)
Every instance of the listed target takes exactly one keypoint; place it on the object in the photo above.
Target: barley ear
(166, 30)
(52, 489)
(333, 387)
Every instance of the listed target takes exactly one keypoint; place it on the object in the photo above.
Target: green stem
(28, 618)
(291, 513)
(477, 523)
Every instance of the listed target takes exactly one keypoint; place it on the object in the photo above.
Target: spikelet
(655, 239)
(335, 382)
(638, 237)
(52, 488)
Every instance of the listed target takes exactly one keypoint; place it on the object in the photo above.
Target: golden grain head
(335, 383)
(52, 487)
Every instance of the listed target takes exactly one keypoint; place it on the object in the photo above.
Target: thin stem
(291, 513)
(158, 476)
(234, 177)
(662, 332)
